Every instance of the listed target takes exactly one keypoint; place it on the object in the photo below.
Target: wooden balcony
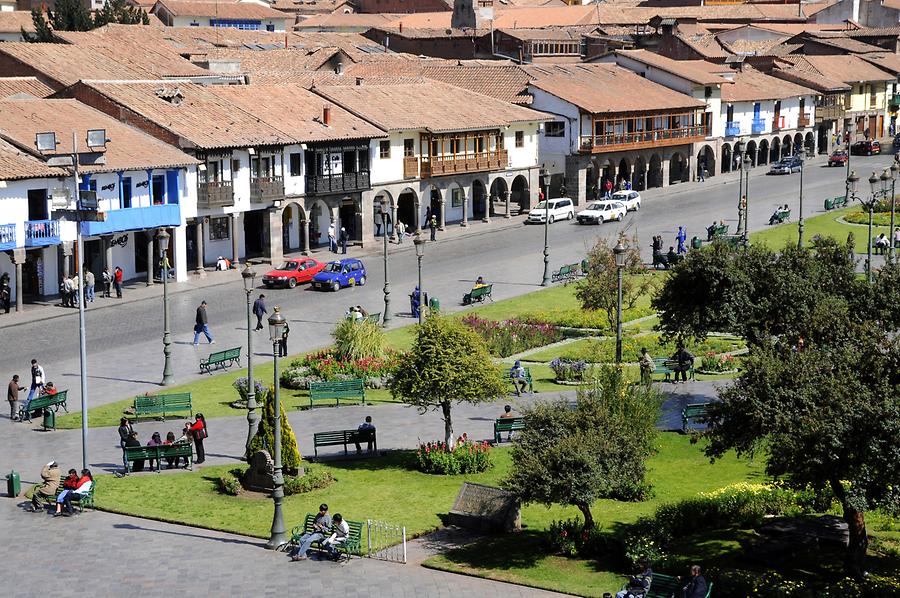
(337, 183)
(609, 142)
(803, 120)
(410, 167)
(215, 194)
(266, 189)
(833, 112)
(460, 163)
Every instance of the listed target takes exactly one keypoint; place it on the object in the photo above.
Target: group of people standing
(70, 288)
(192, 433)
(38, 387)
(338, 239)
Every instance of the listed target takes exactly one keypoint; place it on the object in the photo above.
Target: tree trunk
(855, 557)
(448, 424)
(586, 511)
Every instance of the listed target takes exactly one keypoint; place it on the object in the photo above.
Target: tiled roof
(354, 20)
(888, 61)
(751, 85)
(222, 10)
(845, 43)
(809, 79)
(276, 66)
(203, 118)
(13, 21)
(127, 149)
(296, 112)
(754, 47)
(839, 67)
(16, 164)
(607, 88)
(67, 64)
(400, 107)
(10, 86)
(696, 71)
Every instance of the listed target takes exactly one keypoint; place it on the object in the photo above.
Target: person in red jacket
(117, 281)
(199, 432)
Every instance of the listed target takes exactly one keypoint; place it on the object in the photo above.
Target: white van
(560, 208)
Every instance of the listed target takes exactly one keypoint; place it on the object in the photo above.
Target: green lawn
(604, 350)
(826, 225)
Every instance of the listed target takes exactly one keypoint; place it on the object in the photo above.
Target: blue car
(344, 273)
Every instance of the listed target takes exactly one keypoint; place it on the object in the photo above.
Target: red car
(837, 158)
(293, 272)
(865, 148)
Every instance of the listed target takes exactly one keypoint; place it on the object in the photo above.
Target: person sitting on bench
(508, 414)
(365, 431)
(85, 483)
(479, 282)
(776, 216)
(339, 535)
(321, 526)
(517, 375)
(50, 476)
(671, 257)
(639, 584)
(882, 244)
(684, 360)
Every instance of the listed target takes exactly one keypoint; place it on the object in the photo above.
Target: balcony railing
(895, 99)
(7, 236)
(640, 139)
(40, 233)
(832, 112)
(803, 120)
(757, 126)
(732, 128)
(266, 188)
(454, 163)
(215, 194)
(410, 167)
(126, 219)
(337, 183)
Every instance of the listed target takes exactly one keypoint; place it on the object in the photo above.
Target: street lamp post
(619, 251)
(163, 238)
(895, 170)
(802, 157)
(739, 148)
(746, 168)
(386, 316)
(419, 242)
(248, 275)
(545, 184)
(848, 193)
(278, 534)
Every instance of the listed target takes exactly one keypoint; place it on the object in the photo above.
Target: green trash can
(49, 419)
(13, 484)
(696, 243)
(434, 304)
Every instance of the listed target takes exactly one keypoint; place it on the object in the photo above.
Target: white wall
(527, 155)
(390, 169)
(552, 151)
(790, 112)
(294, 185)
(277, 24)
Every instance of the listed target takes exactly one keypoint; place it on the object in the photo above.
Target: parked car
(343, 273)
(293, 272)
(630, 199)
(896, 144)
(560, 208)
(865, 148)
(599, 212)
(838, 158)
(786, 165)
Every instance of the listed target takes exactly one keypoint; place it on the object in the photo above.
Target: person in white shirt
(896, 238)
(85, 483)
(221, 264)
(339, 535)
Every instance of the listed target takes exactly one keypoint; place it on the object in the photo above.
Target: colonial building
(250, 15)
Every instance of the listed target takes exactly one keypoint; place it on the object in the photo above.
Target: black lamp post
(746, 163)
(419, 243)
(802, 157)
(162, 238)
(248, 275)
(895, 170)
(278, 534)
(619, 251)
(386, 316)
(545, 184)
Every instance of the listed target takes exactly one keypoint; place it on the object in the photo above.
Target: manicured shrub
(313, 479)
(466, 457)
(265, 434)
(230, 483)
(358, 339)
(512, 336)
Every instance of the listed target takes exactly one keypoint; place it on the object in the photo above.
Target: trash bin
(49, 419)
(13, 484)
(696, 243)
(434, 304)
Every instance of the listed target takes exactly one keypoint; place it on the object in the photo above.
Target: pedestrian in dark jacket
(259, 310)
(282, 344)
(685, 361)
(696, 586)
(12, 395)
(344, 239)
(201, 324)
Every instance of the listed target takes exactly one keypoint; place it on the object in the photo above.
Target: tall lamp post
(545, 184)
(248, 275)
(278, 534)
(848, 193)
(619, 251)
(419, 242)
(746, 163)
(386, 316)
(739, 149)
(163, 238)
(802, 157)
(894, 170)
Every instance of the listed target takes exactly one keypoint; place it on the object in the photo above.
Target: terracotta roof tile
(696, 71)
(751, 85)
(839, 67)
(10, 86)
(884, 60)
(127, 149)
(222, 10)
(845, 43)
(607, 88)
(276, 66)
(16, 164)
(12, 21)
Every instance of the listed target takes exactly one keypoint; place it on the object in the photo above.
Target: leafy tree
(42, 31)
(828, 415)
(73, 15)
(448, 363)
(356, 339)
(118, 11)
(265, 435)
(599, 289)
(597, 450)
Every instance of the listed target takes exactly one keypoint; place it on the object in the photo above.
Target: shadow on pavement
(130, 526)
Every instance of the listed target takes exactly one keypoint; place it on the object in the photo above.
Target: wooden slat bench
(42, 402)
(780, 216)
(375, 318)
(343, 438)
(479, 294)
(719, 230)
(567, 272)
(508, 425)
(86, 500)
(221, 359)
(666, 366)
(691, 412)
(337, 390)
(352, 545)
(162, 405)
(529, 381)
(159, 452)
(838, 202)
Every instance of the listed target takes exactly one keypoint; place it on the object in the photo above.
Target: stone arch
(432, 201)
(809, 143)
(456, 200)
(775, 150)
(679, 169)
(706, 159)
(320, 217)
(640, 173)
(751, 151)
(480, 201)
(786, 146)
(386, 225)
(498, 194)
(624, 172)
(655, 173)
(519, 193)
(727, 160)
(763, 153)
(406, 212)
(608, 173)
(293, 231)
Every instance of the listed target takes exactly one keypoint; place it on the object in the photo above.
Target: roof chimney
(359, 81)
(401, 26)
(326, 115)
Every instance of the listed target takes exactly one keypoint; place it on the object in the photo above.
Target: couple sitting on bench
(327, 531)
(472, 295)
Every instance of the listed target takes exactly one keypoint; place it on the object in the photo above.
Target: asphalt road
(124, 341)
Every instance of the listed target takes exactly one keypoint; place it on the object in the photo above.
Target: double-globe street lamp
(620, 251)
(419, 243)
(895, 171)
(852, 182)
(248, 275)
(162, 238)
(545, 184)
(386, 316)
(278, 533)
(802, 157)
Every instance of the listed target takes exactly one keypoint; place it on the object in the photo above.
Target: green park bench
(508, 425)
(837, 202)
(780, 216)
(54, 401)
(667, 367)
(86, 500)
(374, 318)
(162, 405)
(668, 586)
(159, 452)
(716, 231)
(221, 359)
(343, 438)
(479, 294)
(352, 545)
(567, 272)
(691, 412)
(337, 390)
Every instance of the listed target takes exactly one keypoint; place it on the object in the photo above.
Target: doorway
(347, 216)
(255, 233)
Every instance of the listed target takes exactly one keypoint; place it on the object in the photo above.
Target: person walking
(199, 432)
(433, 226)
(117, 281)
(401, 232)
(12, 395)
(681, 237)
(607, 189)
(647, 365)
(5, 292)
(107, 278)
(201, 324)
(259, 310)
(282, 344)
(76, 291)
(332, 243)
(37, 383)
(344, 238)
(89, 283)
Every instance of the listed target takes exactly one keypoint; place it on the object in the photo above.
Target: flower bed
(466, 457)
(512, 336)
(604, 350)
(568, 370)
(713, 363)
(324, 365)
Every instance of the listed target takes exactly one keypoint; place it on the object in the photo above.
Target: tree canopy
(73, 15)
